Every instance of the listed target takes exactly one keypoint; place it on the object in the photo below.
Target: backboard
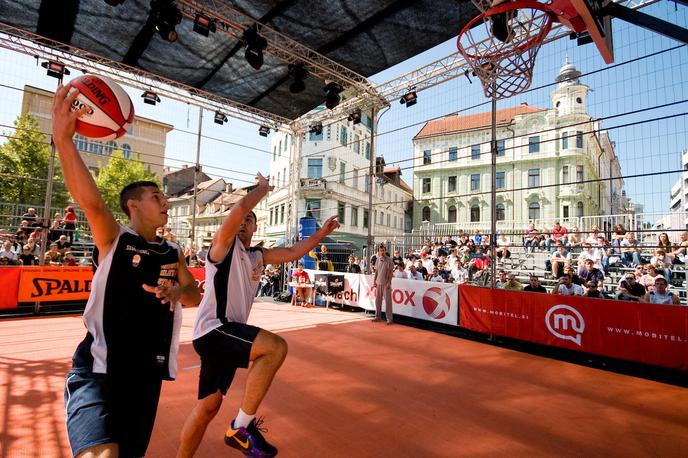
(598, 25)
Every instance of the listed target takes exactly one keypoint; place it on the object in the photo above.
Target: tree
(24, 163)
(118, 173)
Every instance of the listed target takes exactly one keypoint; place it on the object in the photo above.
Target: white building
(332, 171)
(548, 161)
(679, 192)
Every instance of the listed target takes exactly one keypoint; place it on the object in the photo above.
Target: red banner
(648, 333)
(199, 274)
(9, 285)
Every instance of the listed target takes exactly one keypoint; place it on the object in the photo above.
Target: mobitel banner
(48, 284)
(349, 293)
(647, 333)
(438, 302)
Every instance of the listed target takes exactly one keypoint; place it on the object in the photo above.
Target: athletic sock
(243, 419)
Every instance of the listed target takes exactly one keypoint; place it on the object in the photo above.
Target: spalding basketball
(111, 111)
(436, 303)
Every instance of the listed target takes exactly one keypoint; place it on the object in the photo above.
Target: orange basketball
(111, 111)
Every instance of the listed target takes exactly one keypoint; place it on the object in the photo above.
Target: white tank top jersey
(230, 287)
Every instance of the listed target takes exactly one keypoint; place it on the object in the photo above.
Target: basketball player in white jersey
(133, 313)
(223, 339)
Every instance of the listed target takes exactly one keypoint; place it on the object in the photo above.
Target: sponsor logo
(321, 283)
(436, 303)
(136, 250)
(566, 323)
(136, 260)
(96, 91)
(53, 286)
(336, 283)
(399, 296)
(78, 105)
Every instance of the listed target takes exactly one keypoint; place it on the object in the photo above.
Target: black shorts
(102, 409)
(222, 351)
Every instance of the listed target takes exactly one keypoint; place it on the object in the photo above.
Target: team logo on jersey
(135, 260)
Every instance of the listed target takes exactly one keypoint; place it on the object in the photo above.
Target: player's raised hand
(331, 224)
(64, 120)
(264, 182)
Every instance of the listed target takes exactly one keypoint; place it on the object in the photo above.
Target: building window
(282, 207)
(355, 179)
(533, 178)
(501, 148)
(579, 139)
(109, 148)
(451, 184)
(315, 137)
(427, 157)
(579, 173)
(365, 218)
(284, 177)
(354, 216)
(357, 144)
(313, 205)
(272, 211)
(579, 210)
(565, 140)
(426, 185)
(475, 213)
(367, 183)
(426, 213)
(367, 150)
(534, 144)
(451, 214)
(342, 172)
(341, 211)
(533, 211)
(126, 151)
(80, 142)
(565, 174)
(453, 153)
(501, 212)
(389, 219)
(565, 211)
(499, 180)
(280, 146)
(343, 136)
(315, 168)
(475, 182)
(274, 153)
(579, 100)
(475, 152)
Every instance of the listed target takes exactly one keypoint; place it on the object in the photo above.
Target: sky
(647, 73)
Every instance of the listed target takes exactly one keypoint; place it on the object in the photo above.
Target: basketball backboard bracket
(646, 21)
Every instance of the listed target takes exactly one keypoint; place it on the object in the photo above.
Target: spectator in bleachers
(651, 275)
(630, 251)
(534, 285)
(53, 255)
(558, 260)
(531, 239)
(8, 254)
(452, 258)
(638, 272)
(594, 290)
(30, 216)
(421, 268)
(62, 244)
(479, 265)
(663, 242)
(566, 287)
(618, 235)
(594, 234)
(36, 234)
(21, 237)
(575, 240)
(477, 237)
(449, 244)
(68, 259)
(503, 245)
(443, 272)
(323, 261)
(427, 262)
(546, 239)
(559, 234)
(590, 272)
(435, 276)
(630, 289)
(35, 249)
(512, 284)
(26, 227)
(678, 254)
(55, 229)
(399, 272)
(459, 273)
(661, 295)
(662, 263)
(352, 267)
(602, 251)
(70, 223)
(501, 279)
(190, 256)
(413, 274)
(397, 259)
(588, 253)
(27, 258)
(202, 255)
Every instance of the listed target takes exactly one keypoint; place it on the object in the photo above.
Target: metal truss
(233, 22)
(19, 40)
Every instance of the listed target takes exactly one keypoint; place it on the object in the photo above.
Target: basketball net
(505, 68)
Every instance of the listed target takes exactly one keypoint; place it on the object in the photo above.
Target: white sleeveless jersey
(230, 287)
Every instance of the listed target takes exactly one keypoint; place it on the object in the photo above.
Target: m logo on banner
(565, 325)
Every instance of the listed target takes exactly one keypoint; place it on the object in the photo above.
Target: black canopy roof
(363, 35)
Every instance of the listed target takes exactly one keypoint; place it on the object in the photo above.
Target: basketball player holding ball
(133, 313)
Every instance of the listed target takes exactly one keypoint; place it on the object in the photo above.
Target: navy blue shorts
(102, 409)
(222, 351)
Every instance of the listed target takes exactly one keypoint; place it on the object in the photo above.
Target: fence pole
(197, 167)
(493, 196)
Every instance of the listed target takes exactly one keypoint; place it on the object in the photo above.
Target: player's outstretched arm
(296, 251)
(79, 180)
(224, 237)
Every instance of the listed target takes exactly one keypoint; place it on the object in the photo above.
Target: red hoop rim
(503, 8)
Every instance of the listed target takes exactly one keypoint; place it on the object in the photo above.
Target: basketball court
(352, 388)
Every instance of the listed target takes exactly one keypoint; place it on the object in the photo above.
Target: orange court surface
(352, 388)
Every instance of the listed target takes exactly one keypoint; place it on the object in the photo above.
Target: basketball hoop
(505, 68)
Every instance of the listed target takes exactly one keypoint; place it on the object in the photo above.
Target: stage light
(409, 99)
(263, 131)
(55, 69)
(355, 117)
(220, 118)
(299, 74)
(255, 45)
(204, 25)
(166, 16)
(316, 129)
(150, 97)
(332, 97)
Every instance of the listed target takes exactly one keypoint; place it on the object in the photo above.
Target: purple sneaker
(249, 440)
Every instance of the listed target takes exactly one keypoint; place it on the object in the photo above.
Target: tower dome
(568, 74)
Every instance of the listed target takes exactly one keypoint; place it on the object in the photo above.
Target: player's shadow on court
(31, 396)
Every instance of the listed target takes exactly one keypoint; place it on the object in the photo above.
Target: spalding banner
(430, 301)
(49, 284)
(647, 333)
